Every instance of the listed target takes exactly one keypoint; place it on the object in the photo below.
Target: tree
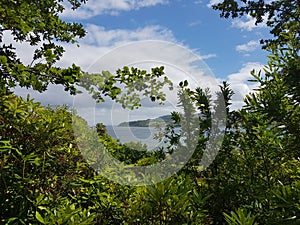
(283, 19)
(256, 173)
(279, 15)
(38, 24)
(39, 158)
(43, 176)
(134, 83)
(256, 168)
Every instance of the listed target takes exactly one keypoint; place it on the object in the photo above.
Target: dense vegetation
(44, 179)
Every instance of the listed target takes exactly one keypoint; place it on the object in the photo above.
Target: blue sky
(193, 24)
(199, 28)
(230, 48)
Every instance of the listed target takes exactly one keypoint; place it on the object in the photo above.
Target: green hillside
(148, 122)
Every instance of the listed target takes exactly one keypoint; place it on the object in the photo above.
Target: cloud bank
(239, 83)
(248, 24)
(248, 47)
(112, 7)
(100, 41)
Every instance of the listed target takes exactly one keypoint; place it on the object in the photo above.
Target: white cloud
(55, 95)
(111, 113)
(208, 56)
(248, 47)
(249, 23)
(239, 82)
(198, 2)
(99, 41)
(153, 46)
(98, 35)
(23, 50)
(213, 2)
(195, 23)
(147, 3)
(112, 7)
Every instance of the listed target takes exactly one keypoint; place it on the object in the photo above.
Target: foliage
(173, 201)
(240, 217)
(64, 212)
(34, 139)
(37, 24)
(279, 15)
(44, 178)
(40, 25)
(135, 83)
(261, 140)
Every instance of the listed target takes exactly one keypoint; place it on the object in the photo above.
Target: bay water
(144, 135)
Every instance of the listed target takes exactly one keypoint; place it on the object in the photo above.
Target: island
(148, 122)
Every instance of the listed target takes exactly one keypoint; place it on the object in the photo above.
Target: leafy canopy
(279, 15)
(38, 24)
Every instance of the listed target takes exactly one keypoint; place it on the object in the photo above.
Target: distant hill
(147, 122)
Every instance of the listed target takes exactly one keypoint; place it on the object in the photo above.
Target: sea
(144, 135)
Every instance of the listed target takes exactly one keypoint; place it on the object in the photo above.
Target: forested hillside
(162, 120)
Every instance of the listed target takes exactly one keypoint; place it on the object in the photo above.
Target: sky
(128, 32)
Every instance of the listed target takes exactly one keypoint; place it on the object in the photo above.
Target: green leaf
(39, 217)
